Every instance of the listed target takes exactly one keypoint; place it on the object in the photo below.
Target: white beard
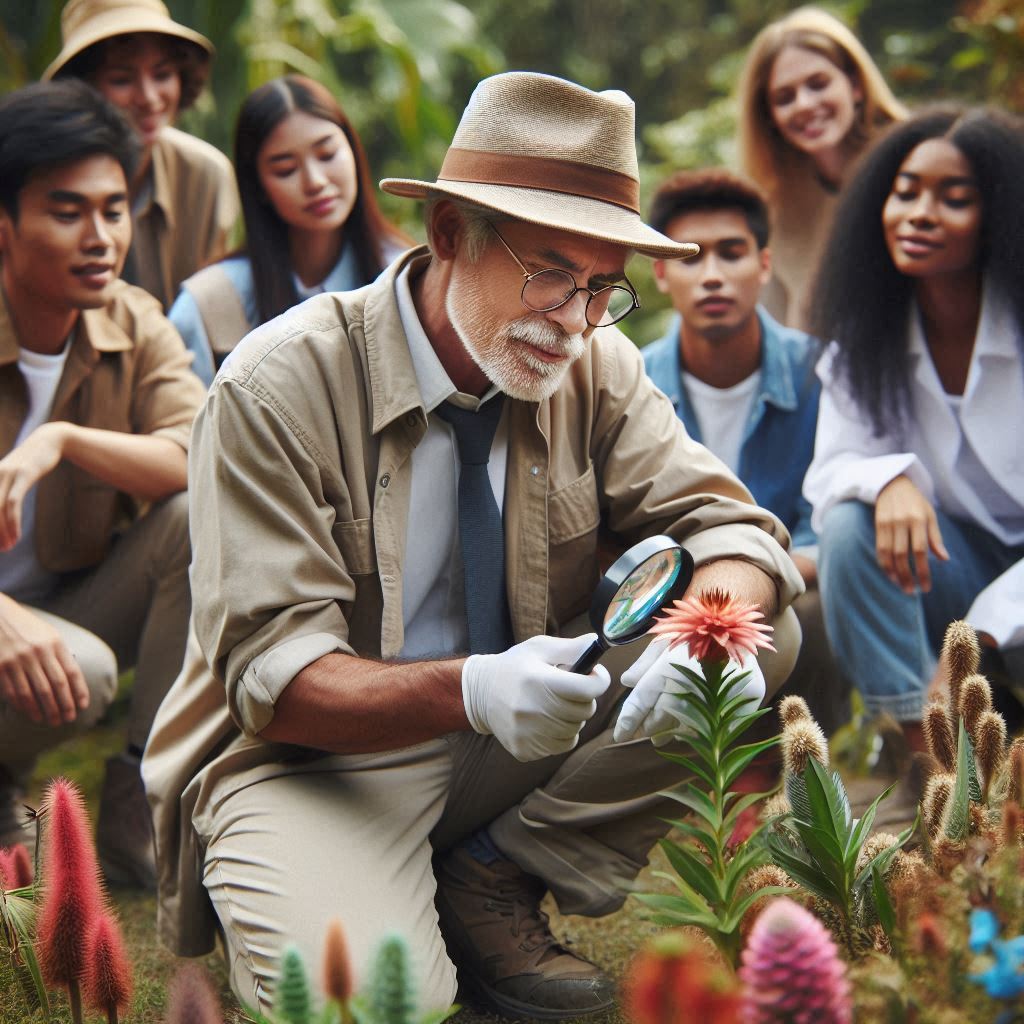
(499, 348)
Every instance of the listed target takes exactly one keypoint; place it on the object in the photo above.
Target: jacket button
(410, 420)
(385, 480)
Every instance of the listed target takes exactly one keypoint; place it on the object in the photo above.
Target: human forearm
(351, 705)
(742, 580)
(142, 465)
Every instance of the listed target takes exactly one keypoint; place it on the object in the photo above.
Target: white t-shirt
(21, 575)
(722, 414)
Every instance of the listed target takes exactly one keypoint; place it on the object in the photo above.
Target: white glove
(653, 710)
(530, 705)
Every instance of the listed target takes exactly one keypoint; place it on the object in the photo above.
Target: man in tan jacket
(96, 404)
(329, 750)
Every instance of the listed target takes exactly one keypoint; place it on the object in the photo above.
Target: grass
(610, 942)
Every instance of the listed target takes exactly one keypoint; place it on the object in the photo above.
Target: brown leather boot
(501, 944)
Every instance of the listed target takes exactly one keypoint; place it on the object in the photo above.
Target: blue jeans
(886, 641)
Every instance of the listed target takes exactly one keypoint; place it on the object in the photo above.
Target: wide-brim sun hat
(85, 23)
(546, 151)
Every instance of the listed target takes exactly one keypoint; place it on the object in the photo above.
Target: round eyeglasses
(546, 290)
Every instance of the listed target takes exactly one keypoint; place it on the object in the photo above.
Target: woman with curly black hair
(917, 481)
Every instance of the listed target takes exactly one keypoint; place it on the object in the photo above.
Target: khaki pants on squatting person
(130, 610)
(352, 837)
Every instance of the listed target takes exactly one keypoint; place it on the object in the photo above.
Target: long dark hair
(266, 243)
(862, 301)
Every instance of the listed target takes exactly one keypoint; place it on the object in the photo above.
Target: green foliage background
(405, 68)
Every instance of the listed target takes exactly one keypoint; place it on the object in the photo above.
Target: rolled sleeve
(999, 609)
(265, 678)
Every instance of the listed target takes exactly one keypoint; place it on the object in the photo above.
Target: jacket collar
(93, 333)
(391, 375)
(777, 385)
(163, 188)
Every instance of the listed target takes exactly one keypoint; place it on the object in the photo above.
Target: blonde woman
(810, 101)
(183, 197)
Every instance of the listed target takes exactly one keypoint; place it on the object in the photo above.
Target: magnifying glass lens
(642, 594)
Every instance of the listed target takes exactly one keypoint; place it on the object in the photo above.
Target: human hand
(906, 528)
(20, 470)
(653, 708)
(527, 701)
(38, 674)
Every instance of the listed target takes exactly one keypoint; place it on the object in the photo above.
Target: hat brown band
(542, 172)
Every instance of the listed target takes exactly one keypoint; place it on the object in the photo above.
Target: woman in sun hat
(184, 198)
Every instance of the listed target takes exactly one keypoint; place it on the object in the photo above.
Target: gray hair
(476, 220)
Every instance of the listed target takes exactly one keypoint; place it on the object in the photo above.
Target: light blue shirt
(185, 315)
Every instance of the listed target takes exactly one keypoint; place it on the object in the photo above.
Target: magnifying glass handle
(588, 659)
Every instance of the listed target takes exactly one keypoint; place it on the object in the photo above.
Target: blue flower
(1005, 978)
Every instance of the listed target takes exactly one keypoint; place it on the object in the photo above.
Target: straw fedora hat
(547, 151)
(83, 23)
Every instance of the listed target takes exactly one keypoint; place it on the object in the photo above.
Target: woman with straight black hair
(311, 219)
(917, 481)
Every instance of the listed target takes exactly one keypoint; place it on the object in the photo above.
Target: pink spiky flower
(714, 626)
(72, 894)
(792, 971)
(107, 984)
(15, 867)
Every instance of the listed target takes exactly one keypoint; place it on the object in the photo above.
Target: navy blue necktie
(481, 537)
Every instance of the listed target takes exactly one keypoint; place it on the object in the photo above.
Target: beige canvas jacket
(299, 479)
(188, 221)
(127, 370)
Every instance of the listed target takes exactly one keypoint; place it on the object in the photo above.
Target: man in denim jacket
(744, 385)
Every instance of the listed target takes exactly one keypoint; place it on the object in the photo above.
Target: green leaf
(957, 816)
(742, 802)
(692, 869)
(803, 873)
(694, 702)
(736, 760)
(863, 827)
(826, 853)
(737, 913)
(690, 796)
(691, 766)
(673, 911)
(827, 797)
(883, 905)
(796, 794)
(736, 729)
(741, 865)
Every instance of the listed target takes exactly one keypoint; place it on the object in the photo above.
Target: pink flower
(714, 625)
(107, 983)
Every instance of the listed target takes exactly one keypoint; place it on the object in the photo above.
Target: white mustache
(545, 336)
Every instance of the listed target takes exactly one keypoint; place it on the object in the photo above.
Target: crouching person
(96, 404)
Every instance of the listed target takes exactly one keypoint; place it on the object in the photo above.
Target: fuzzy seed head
(792, 971)
(673, 980)
(938, 734)
(766, 874)
(906, 868)
(875, 844)
(192, 999)
(794, 709)
(975, 700)
(337, 965)
(936, 795)
(777, 803)
(991, 746)
(801, 740)
(947, 854)
(962, 655)
(1015, 771)
(72, 896)
(107, 982)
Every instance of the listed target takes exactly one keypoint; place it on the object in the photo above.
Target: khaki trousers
(352, 837)
(130, 610)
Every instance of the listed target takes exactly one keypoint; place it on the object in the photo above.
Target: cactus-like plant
(292, 998)
(72, 896)
(792, 972)
(107, 982)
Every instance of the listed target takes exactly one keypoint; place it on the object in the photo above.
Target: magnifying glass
(632, 592)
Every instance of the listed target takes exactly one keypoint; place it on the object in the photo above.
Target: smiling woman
(810, 101)
(916, 483)
(152, 68)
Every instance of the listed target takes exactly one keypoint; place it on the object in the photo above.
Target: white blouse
(967, 460)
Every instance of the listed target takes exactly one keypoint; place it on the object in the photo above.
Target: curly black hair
(862, 301)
